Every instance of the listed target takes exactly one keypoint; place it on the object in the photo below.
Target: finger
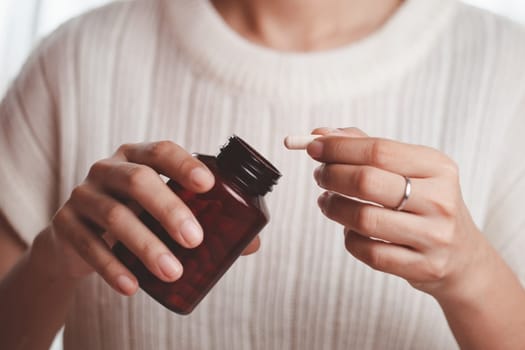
(350, 131)
(172, 161)
(252, 247)
(354, 132)
(300, 142)
(372, 221)
(386, 257)
(143, 185)
(400, 158)
(95, 252)
(375, 185)
(122, 224)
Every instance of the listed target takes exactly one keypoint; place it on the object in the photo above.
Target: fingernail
(191, 233)
(201, 177)
(125, 284)
(170, 267)
(325, 130)
(315, 149)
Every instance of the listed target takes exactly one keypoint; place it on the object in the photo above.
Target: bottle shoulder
(223, 186)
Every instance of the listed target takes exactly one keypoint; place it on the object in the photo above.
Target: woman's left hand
(433, 242)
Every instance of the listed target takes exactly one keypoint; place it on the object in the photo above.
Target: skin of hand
(433, 243)
(102, 210)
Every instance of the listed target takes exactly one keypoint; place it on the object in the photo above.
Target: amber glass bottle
(231, 214)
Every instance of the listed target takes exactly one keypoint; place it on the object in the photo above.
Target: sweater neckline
(218, 52)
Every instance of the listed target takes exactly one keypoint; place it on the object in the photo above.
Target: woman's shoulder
(486, 21)
(101, 32)
(486, 34)
(92, 45)
(107, 18)
(487, 49)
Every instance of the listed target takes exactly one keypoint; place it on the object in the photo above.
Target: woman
(433, 73)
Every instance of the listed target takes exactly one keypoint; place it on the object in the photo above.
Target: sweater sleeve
(506, 214)
(28, 150)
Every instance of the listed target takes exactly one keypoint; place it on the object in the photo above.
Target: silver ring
(408, 190)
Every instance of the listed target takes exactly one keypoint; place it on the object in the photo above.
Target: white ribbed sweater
(438, 73)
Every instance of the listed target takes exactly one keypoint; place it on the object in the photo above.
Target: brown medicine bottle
(231, 214)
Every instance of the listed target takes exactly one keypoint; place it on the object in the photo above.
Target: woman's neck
(305, 25)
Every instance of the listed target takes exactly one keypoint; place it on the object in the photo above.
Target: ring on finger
(406, 195)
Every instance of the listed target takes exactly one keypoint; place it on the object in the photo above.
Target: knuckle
(366, 181)
(84, 245)
(352, 130)
(432, 238)
(325, 174)
(450, 168)
(62, 217)
(366, 219)
(440, 234)
(349, 237)
(148, 249)
(379, 153)
(445, 205)
(428, 235)
(98, 169)
(123, 148)
(109, 267)
(330, 206)
(186, 165)
(114, 216)
(169, 212)
(139, 175)
(437, 269)
(79, 193)
(376, 260)
(160, 149)
(444, 238)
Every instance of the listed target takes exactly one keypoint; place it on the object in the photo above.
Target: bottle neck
(246, 168)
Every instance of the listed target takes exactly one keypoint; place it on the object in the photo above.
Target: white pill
(299, 142)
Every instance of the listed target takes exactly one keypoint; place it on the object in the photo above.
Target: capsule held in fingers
(299, 141)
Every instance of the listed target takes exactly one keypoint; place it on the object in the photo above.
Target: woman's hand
(433, 242)
(102, 210)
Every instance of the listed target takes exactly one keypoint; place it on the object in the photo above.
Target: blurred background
(24, 22)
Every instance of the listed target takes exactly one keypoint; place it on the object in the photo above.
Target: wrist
(486, 299)
(479, 281)
(43, 258)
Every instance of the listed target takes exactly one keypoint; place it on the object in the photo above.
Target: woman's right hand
(99, 211)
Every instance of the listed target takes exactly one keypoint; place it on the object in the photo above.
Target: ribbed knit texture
(438, 73)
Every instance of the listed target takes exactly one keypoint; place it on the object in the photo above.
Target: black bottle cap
(250, 171)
